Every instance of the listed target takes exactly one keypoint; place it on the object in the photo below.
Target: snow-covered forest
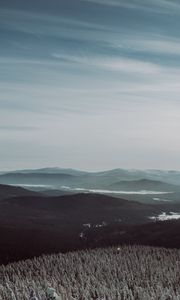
(112, 273)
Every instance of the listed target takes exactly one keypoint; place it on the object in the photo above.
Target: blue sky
(89, 84)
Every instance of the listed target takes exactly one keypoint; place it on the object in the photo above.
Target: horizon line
(88, 171)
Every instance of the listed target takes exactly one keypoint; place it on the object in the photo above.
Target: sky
(90, 84)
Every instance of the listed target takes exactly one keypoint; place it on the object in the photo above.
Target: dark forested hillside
(33, 225)
(7, 191)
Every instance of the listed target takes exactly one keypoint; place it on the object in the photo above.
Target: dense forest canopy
(126, 272)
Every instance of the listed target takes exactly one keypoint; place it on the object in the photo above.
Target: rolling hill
(36, 178)
(53, 224)
(144, 184)
(7, 191)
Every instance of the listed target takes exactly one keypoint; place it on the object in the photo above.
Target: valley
(41, 216)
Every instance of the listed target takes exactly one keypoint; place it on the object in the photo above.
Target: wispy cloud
(102, 78)
(26, 21)
(117, 64)
(153, 45)
(156, 6)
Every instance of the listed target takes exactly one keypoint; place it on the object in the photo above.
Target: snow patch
(164, 216)
(101, 225)
(81, 235)
(160, 199)
(87, 225)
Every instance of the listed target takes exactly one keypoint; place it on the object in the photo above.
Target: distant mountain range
(117, 178)
(146, 186)
(35, 178)
(54, 170)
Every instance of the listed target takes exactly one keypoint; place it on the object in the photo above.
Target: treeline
(134, 273)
